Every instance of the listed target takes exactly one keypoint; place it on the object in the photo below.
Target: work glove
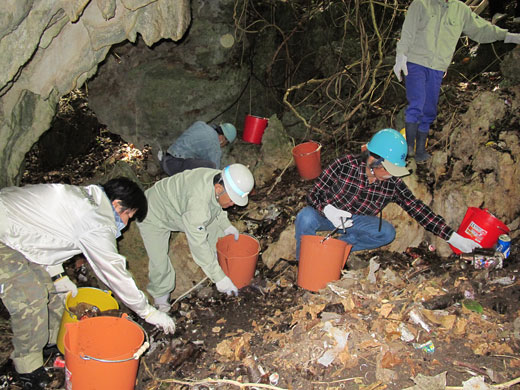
(339, 218)
(64, 285)
(232, 230)
(161, 320)
(400, 66)
(227, 286)
(463, 244)
(512, 38)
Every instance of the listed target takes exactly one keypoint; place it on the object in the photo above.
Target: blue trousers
(363, 234)
(423, 86)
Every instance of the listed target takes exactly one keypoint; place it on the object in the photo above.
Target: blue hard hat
(230, 132)
(391, 146)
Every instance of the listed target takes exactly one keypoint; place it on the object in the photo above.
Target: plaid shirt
(344, 184)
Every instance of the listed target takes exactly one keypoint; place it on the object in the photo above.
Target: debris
(406, 335)
(373, 267)
(340, 337)
(418, 319)
(427, 347)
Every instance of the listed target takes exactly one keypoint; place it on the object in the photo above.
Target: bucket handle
(135, 356)
(314, 151)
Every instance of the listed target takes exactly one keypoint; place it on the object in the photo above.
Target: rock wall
(49, 47)
(151, 96)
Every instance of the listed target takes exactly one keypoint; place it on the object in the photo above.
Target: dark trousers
(172, 165)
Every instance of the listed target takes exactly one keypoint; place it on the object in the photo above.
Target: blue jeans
(423, 86)
(363, 234)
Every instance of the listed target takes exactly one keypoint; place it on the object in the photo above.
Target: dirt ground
(393, 320)
(350, 335)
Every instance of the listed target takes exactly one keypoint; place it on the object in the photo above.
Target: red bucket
(254, 128)
(481, 226)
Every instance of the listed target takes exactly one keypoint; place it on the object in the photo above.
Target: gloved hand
(512, 38)
(64, 285)
(232, 230)
(463, 244)
(161, 320)
(400, 66)
(336, 216)
(227, 286)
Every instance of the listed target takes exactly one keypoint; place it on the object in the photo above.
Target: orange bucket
(481, 226)
(238, 258)
(254, 128)
(102, 353)
(321, 261)
(307, 159)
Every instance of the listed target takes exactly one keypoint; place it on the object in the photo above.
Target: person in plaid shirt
(352, 191)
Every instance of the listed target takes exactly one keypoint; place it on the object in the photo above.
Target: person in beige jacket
(42, 226)
(192, 202)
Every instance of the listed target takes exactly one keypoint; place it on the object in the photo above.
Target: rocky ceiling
(50, 47)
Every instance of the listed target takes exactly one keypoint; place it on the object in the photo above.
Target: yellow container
(103, 300)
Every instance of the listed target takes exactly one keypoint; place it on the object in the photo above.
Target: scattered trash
(59, 362)
(85, 310)
(373, 267)
(504, 281)
(482, 258)
(504, 245)
(273, 378)
(418, 319)
(427, 347)
(406, 335)
(340, 337)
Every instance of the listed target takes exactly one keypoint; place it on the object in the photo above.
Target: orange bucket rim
(308, 153)
(244, 235)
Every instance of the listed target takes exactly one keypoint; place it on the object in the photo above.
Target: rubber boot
(411, 134)
(39, 379)
(421, 155)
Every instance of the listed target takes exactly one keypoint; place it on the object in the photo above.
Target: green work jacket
(432, 28)
(186, 202)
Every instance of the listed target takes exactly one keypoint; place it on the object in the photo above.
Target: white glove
(227, 286)
(161, 320)
(64, 285)
(339, 218)
(400, 65)
(463, 244)
(232, 230)
(512, 38)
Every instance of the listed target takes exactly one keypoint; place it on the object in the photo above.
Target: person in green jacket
(429, 36)
(192, 202)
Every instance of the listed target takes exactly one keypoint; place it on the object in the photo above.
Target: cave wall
(151, 96)
(50, 47)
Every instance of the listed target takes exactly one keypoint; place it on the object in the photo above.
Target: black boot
(411, 133)
(421, 155)
(36, 380)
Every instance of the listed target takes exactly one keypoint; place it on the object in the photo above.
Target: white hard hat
(238, 182)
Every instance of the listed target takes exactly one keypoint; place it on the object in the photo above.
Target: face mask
(119, 223)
